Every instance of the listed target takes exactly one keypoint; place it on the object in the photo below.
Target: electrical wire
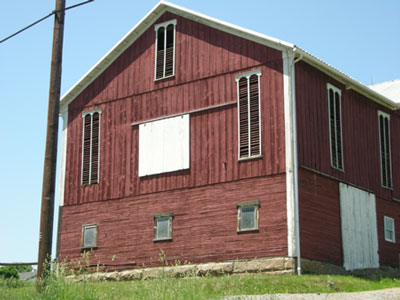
(42, 19)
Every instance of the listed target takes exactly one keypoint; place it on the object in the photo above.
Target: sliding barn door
(359, 229)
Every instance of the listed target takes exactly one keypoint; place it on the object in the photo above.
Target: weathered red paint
(126, 92)
(204, 224)
(202, 198)
(319, 207)
(388, 252)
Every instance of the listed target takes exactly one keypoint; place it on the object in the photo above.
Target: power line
(42, 19)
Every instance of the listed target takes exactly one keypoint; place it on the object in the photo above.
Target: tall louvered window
(335, 127)
(384, 143)
(91, 147)
(165, 49)
(249, 118)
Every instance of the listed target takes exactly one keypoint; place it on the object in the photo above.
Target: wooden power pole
(50, 159)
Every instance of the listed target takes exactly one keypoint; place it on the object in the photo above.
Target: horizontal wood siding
(204, 224)
(207, 61)
(319, 209)
(360, 133)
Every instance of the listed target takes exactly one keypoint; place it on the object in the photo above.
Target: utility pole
(50, 159)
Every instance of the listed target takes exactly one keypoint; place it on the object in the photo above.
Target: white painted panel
(359, 228)
(164, 145)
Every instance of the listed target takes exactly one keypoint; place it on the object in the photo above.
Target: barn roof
(283, 46)
(390, 89)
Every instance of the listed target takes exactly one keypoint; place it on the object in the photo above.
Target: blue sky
(360, 38)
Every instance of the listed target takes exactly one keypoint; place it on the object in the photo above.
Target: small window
(163, 226)
(91, 147)
(249, 117)
(89, 236)
(384, 145)
(165, 50)
(247, 218)
(389, 229)
(335, 126)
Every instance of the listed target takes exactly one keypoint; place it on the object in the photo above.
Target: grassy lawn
(192, 288)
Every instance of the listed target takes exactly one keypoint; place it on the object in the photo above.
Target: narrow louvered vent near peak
(165, 49)
(335, 127)
(384, 143)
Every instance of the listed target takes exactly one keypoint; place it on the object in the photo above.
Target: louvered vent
(335, 127)
(165, 52)
(169, 55)
(384, 134)
(86, 149)
(243, 118)
(91, 148)
(254, 117)
(249, 115)
(95, 148)
(160, 53)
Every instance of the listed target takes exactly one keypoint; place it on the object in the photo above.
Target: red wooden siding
(359, 127)
(388, 252)
(207, 61)
(319, 209)
(204, 224)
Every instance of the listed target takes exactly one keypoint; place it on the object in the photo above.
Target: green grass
(191, 288)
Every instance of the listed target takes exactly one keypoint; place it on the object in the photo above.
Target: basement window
(165, 50)
(91, 147)
(163, 226)
(389, 229)
(384, 146)
(335, 126)
(247, 216)
(89, 236)
(249, 117)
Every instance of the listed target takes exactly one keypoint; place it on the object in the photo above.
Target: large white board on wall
(164, 145)
(359, 228)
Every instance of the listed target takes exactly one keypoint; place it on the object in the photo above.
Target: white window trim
(256, 205)
(389, 144)
(84, 227)
(335, 90)
(385, 218)
(156, 27)
(237, 79)
(170, 216)
(84, 114)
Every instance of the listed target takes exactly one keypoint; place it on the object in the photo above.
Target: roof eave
(144, 24)
(111, 55)
(349, 82)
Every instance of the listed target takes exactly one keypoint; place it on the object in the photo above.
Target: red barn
(215, 143)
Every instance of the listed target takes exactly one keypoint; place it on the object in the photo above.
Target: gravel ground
(387, 294)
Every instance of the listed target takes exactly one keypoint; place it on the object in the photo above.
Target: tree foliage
(9, 272)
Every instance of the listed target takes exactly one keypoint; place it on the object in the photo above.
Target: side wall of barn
(319, 198)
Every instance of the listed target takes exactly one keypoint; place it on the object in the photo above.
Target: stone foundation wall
(316, 267)
(276, 265)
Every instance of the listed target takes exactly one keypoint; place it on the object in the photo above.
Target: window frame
(392, 230)
(156, 28)
(240, 206)
(387, 145)
(84, 114)
(84, 228)
(165, 215)
(331, 150)
(238, 77)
